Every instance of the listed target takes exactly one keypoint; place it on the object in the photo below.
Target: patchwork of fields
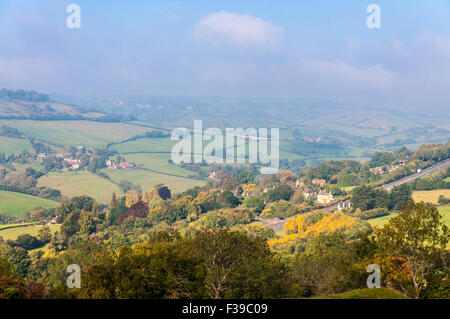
(151, 155)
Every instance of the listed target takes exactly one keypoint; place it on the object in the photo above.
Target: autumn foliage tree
(419, 236)
(131, 198)
(139, 210)
(14, 286)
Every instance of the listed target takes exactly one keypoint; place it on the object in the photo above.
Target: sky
(246, 48)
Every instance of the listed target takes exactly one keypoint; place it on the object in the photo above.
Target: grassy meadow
(154, 145)
(158, 162)
(445, 211)
(81, 183)
(147, 179)
(16, 204)
(74, 133)
(380, 221)
(14, 146)
(13, 233)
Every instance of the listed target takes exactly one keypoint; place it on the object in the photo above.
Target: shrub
(28, 242)
(369, 214)
(279, 209)
(255, 202)
(442, 200)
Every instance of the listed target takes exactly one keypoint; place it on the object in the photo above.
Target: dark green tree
(281, 192)
(399, 197)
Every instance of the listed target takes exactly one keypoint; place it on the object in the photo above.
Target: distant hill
(22, 104)
(307, 126)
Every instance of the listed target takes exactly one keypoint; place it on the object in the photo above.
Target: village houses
(122, 165)
(324, 198)
(74, 164)
(214, 175)
(344, 205)
(309, 193)
(318, 181)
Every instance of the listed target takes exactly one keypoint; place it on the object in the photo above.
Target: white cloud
(436, 44)
(237, 30)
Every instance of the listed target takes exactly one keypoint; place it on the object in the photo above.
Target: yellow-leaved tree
(132, 197)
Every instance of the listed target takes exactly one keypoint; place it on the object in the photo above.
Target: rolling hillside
(21, 104)
(74, 133)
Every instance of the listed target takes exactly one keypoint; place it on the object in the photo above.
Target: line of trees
(367, 197)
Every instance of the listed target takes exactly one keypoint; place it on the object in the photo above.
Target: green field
(380, 221)
(355, 130)
(155, 145)
(317, 151)
(15, 146)
(13, 233)
(16, 204)
(33, 164)
(74, 133)
(158, 162)
(81, 183)
(19, 169)
(85, 183)
(445, 211)
(147, 179)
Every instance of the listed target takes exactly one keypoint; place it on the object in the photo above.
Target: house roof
(325, 194)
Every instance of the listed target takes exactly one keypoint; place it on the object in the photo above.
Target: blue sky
(312, 49)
